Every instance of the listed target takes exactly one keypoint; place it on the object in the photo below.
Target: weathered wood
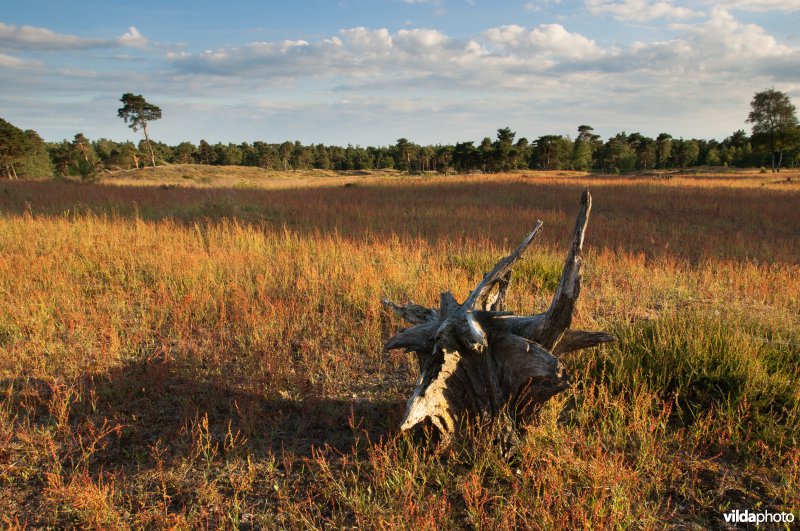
(579, 339)
(495, 300)
(477, 360)
(411, 312)
(500, 271)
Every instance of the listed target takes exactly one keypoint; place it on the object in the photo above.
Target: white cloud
(133, 39)
(368, 42)
(31, 38)
(540, 5)
(640, 10)
(723, 38)
(761, 5)
(505, 58)
(380, 83)
(420, 41)
(719, 50)
(38, 39)
(546, 39)
(8, 61)
(356, 52)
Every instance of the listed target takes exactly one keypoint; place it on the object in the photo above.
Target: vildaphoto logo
(753, 517)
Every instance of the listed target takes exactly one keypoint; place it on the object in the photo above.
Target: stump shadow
(159, 406)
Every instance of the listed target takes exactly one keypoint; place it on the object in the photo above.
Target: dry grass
(199, 176)
(212, 357)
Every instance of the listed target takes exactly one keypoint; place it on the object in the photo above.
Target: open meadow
(205, 350)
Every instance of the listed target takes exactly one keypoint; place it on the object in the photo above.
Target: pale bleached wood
(478, 361)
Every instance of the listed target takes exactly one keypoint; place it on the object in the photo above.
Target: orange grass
(212, 358)
(692, 218)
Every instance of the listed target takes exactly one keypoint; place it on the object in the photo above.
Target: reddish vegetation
(212, 357)
(689, 218)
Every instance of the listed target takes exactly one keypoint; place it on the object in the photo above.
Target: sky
(368, 72)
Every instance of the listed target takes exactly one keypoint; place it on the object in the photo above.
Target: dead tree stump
(479, 362)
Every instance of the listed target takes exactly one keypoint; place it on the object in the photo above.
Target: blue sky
(369, 72)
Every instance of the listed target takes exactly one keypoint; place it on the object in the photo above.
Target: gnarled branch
(476, 358)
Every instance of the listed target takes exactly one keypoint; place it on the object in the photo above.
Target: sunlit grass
(164, 364)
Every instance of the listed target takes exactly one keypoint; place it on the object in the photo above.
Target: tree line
(775, 141)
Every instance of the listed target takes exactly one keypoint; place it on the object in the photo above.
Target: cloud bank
(694, 77)
(37, 39)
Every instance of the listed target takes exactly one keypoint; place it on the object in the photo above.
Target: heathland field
(189, 349)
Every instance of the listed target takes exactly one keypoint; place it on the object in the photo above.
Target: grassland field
(194, 347)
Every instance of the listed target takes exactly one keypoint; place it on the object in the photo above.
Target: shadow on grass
(153, 408)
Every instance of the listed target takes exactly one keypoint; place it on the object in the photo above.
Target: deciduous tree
(774, 120)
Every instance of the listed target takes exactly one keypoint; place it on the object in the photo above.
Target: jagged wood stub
(477, 360)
